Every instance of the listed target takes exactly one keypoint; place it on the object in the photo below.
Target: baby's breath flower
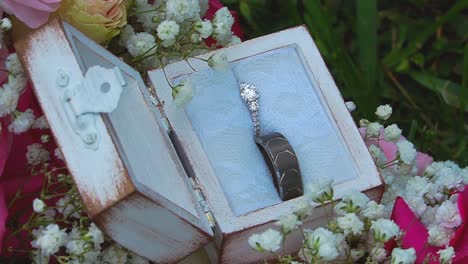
(36, 154)
(141, 43)
(49, 240)
(96, 235)
(8, 99)
(384, 230)
(357, 200)
(439, 236)
(373, 129)
(13, 64)
(218, 61)
(288, 223)
(447, 215)
(403, 256)
(324, 244)
(182, 93)
(234, 41)
(205, 28)
(378, 254)
(373, 210)
(320, 190)
(303, 208)
(446, 255)
(17, 82)
(270, 241)
(39, 206)
(5, 24)
(168, 29)
(406, 152)
(351, 106)
(22, 122)
(181, 10)
(392, 133)
(40, 123)
(377, 154)
(222, 24)
(384, 112)
(350, 224)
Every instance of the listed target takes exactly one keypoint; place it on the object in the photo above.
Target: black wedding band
(283, 164)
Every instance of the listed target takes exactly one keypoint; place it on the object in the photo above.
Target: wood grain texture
(233, 231)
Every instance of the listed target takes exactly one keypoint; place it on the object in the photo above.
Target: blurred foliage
(412, 54)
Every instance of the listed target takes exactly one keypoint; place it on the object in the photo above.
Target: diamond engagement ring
(276, 150)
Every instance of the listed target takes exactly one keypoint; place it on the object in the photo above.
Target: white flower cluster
(174, 30)
(10, 91)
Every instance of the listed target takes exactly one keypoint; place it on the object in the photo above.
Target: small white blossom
(406, 152)
(65, 207)
(378, 254)
(234, 41)
(439, 236)
(446, 255)
(115, 255)
(288, 223)
(324, 242)
(448, 215)
(36, 154)
(350, 224)
(403, 256)
(205, 28)
(181, 10)
(183, 93)
(373, 129)
(303, 208)
(5, 24)
(141, 43)
(168, 29)
(222, 24)
(373, 210)
(320, 190)
(96, 235)
(50, 239)
(351, 106)
(39, 206)
(22, 122)
(384, 112)
(270, 241)
(418, 186)
(392, 133)
(377, 154)
(357, 198)
(17, 82)
(384, 229)
(149, 20)
(219, 61)
(76, 246)
(13, 64)
(40, 123)
(416, 203)
(8, 99)
(450, 177)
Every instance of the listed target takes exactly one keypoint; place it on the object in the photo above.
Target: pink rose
(33, 13)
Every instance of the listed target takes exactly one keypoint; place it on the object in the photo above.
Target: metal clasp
(99, 92)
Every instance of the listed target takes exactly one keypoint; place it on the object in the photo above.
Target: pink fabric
(416, 234)
(33, 13)
(390, 149)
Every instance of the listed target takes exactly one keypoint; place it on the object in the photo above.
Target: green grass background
(412, 54)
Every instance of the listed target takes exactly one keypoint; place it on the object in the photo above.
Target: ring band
(282, 163)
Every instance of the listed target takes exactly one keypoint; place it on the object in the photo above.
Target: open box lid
(128, 175)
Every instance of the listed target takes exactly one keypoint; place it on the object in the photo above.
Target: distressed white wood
(368, 179)
(99, 174)
(133, 185)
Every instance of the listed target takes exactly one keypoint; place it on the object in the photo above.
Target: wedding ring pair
(276, 150)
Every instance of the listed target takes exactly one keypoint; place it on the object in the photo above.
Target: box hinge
(99, 92)
(203, 203)
(164, 121)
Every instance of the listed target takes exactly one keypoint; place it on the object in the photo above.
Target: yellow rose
(100, 20)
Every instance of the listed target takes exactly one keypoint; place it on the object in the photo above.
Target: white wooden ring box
(141, 170)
